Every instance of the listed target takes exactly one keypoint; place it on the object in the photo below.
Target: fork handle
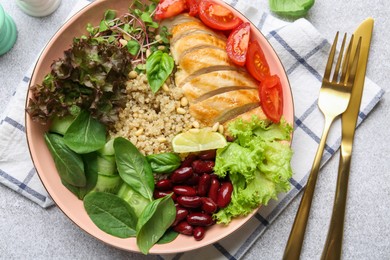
(333, 244)
(295, 240)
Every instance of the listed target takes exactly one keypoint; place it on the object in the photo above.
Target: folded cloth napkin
(303, 52)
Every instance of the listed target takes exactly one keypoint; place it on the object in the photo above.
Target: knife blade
(333, 244)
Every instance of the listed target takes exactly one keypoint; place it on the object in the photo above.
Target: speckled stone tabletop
(28, 231)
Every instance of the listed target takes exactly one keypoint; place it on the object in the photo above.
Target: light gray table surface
(29, 232)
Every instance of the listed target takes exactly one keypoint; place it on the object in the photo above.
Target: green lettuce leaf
(258, 164)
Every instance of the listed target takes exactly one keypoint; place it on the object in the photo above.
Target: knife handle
(297, 234)
(334, 240)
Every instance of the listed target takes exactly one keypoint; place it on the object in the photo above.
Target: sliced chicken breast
(195, 39)
(216, 82)
(213, 109)
(217, 89)
(247, 116)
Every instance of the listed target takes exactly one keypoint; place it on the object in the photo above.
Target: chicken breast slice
(215, 108)
(247, 116)
(216, 82)
(195, 39)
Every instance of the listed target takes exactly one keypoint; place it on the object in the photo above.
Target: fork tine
(352, 72)
(329, 64)
(337, 69)
(346, 61)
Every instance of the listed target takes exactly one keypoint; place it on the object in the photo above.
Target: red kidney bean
(208, 205)
(189, 201)
(230, 138)
(199, 219)
(164, 185)
(204, 184)
(199, 233)
(159, 194)
(182, 174)
(181, 214)
(200, 166)
(213, 191)
(187, 162)
(184, 190)
(184, 228)
(207, 155)
(193, 180)
(224, 194)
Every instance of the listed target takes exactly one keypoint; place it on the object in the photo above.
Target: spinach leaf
(69, 164)
(154, 221)
(85, 134)
(134, 168)
(164, 162)
(90, 170)
(111, 214)
(168, 237)
(159, 65)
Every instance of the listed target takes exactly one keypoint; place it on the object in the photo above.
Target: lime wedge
(195, 140)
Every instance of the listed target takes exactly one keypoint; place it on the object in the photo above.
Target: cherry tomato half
(237, 43)
(256, 63)
(169, 8)
(193, 6)
(271, 97)
(217, 16)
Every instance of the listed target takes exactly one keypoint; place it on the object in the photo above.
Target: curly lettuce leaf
(258, 164)
(91, 76)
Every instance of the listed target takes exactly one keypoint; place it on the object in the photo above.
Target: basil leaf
(154, 221)
(133, 168)
(168, 237)
(133, 47)
(164, 162)
(111, 214)
(85, 134)
(69, 164)
(296, 8)
(159, 65)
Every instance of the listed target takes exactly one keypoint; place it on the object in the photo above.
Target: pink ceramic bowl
(65, 200)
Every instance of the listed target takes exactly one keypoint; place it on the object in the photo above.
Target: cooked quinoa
(150, 121)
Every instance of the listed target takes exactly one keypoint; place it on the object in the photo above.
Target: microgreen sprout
(134, 30)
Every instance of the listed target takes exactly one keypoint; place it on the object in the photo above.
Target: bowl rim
(155, 249)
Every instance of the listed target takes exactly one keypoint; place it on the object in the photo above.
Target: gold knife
(332, 249)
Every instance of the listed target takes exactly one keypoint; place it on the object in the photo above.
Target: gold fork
(333, 101)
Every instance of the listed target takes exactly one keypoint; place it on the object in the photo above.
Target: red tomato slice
(193, 5)
(271, 97)
(255, 62)
(216, 16)
(169, 8)
(237, 43)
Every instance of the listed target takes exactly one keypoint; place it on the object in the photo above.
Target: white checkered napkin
(303, 52)
(16, 168)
